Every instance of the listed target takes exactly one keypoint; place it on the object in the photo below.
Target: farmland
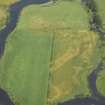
(7, 2)
(50, 53)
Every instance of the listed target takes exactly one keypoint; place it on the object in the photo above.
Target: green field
(50, 54)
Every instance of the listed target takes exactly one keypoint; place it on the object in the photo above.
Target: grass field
(68, 22)
(68, 15)
(4, 6)
(55, 35)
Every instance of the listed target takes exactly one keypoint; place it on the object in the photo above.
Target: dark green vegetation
(62, 28)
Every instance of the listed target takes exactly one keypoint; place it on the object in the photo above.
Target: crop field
(50, 54)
